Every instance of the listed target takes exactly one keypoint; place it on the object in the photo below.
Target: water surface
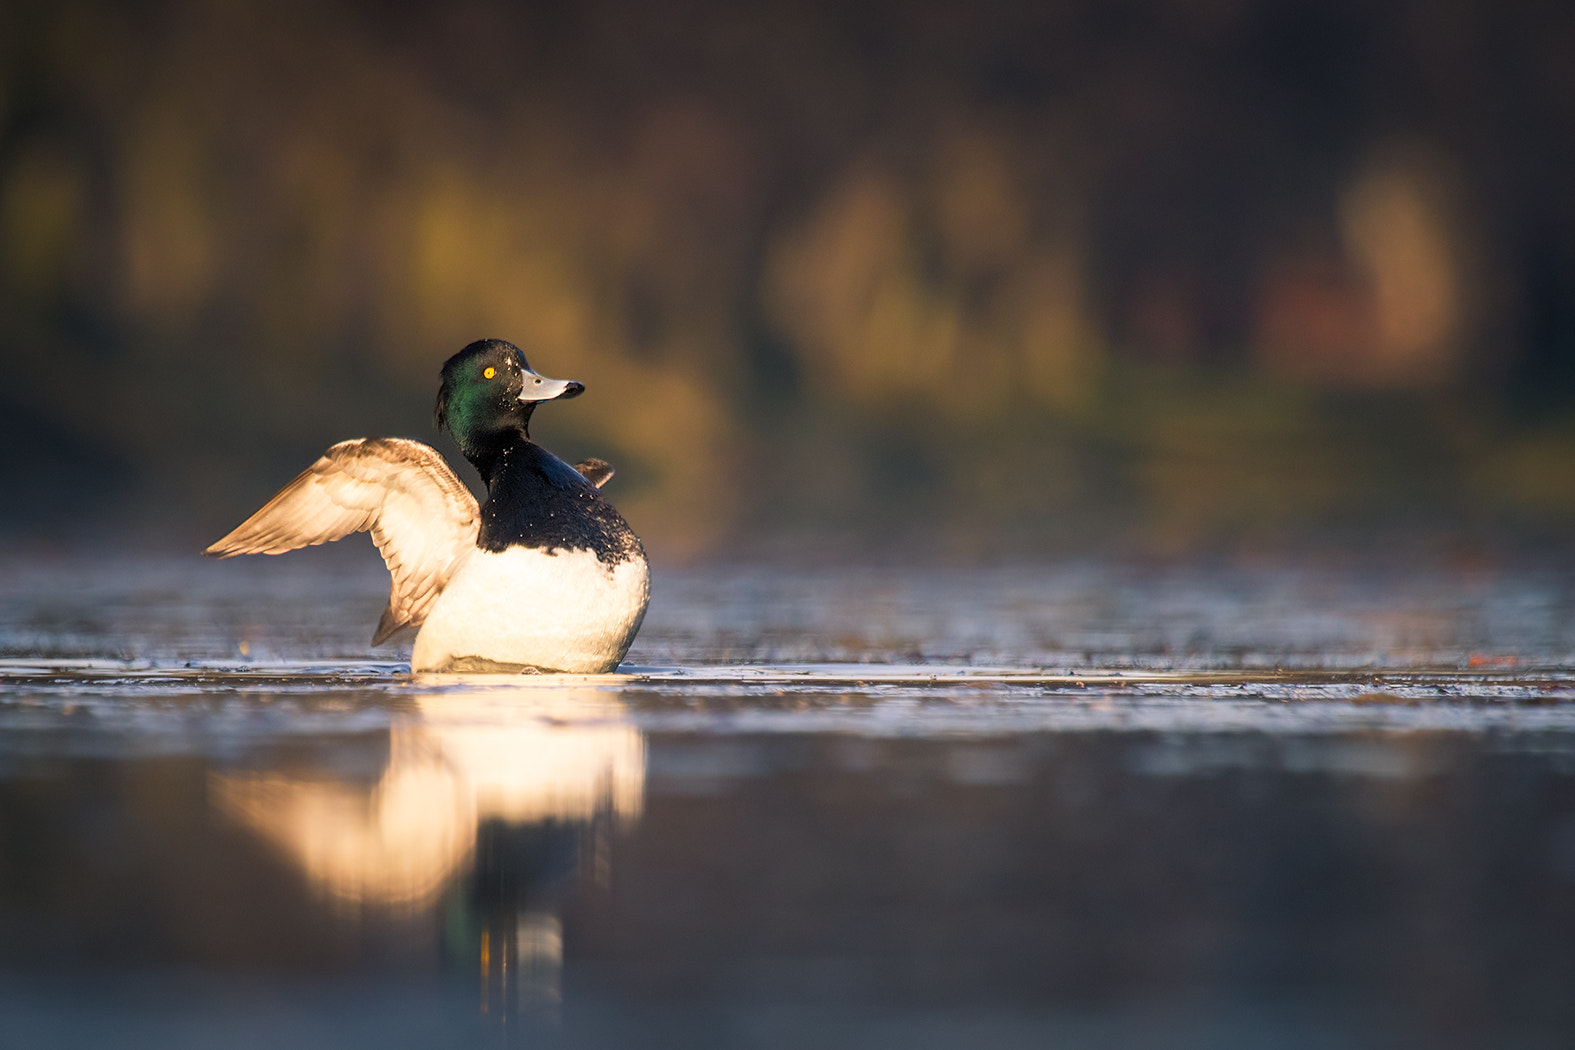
(1091, 805)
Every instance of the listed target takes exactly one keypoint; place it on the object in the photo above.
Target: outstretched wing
(597, 471)
(422, 518)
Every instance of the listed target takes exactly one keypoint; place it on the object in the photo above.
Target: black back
(536, 500)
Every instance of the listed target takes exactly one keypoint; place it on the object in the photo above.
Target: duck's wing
(422, 518)
(597, 471)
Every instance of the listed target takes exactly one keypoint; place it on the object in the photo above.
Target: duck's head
(489, 388)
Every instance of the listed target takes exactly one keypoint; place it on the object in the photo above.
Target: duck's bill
(540, 388)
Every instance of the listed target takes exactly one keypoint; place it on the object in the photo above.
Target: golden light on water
(538, 753)
(516, 755)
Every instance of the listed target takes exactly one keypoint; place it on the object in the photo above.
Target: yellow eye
(490, 372)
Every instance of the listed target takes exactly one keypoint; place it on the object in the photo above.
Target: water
(1079, 804)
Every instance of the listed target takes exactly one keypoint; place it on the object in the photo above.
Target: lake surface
(1081, 804)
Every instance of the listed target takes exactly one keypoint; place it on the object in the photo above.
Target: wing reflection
(525, 756)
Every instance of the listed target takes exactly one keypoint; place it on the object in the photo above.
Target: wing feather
(597, 471)
(421, 516)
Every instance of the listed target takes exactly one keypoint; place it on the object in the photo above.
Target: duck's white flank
(565, 611)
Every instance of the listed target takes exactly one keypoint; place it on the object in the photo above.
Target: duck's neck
(489, 453)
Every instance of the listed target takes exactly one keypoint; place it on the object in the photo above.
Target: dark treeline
(1206, 268)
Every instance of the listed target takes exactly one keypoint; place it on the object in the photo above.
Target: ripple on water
(199, 705)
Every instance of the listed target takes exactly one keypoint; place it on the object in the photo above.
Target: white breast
(523, 607)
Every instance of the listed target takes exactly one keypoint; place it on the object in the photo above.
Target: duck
(544, 576)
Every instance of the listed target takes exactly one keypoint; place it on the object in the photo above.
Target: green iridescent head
(488, 388)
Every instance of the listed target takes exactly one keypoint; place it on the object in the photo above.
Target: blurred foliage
(978, 274)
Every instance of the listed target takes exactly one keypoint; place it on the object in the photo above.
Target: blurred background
(935, 277)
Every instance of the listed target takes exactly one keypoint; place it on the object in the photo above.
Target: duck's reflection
(489, 802)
